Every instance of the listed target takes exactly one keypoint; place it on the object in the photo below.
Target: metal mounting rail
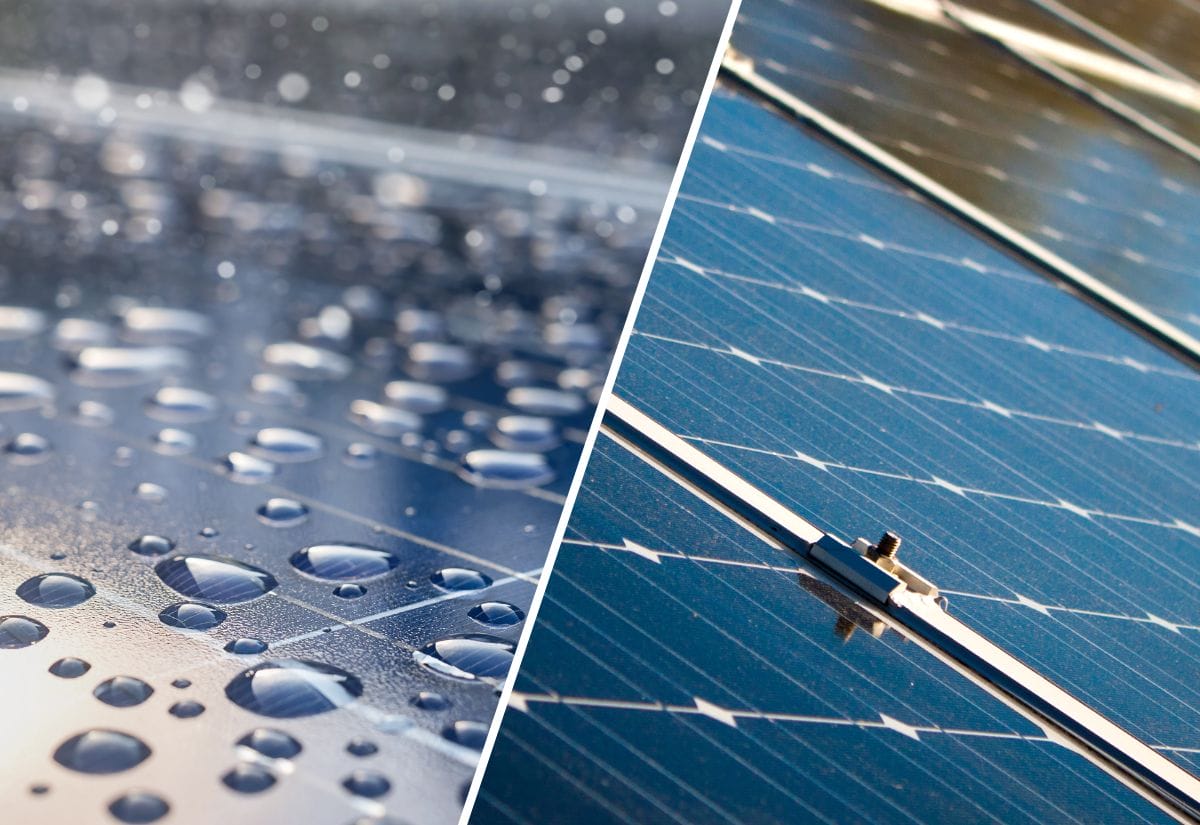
(912, 602)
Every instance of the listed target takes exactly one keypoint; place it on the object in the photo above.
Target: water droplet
(542, 401)
(468, 734)
(505, 470)
(247, 469)
(361, 747)
(246, 646)
(123, 691)
(77, 333)
(286, 444)
(305, 362)
(56, 590)
(157, 325)
(192, 616)
(367, 783)
(20, 322)
(20, 631)
(151, 545)
(248, 778)
(459, 578)
(274, 744)
(214, 579)
(496, 614)
(181, 683)
(389, 422)
(39, 789)
(526, 432)
(287, 688)
(349, 591)
(126, 366)
(343, 562)
(171, 441)
(360, 455)
(27, 448)
(431, 361)
(276, 390)
(148, 491)
(181, 405)
(23, 392)
(69, 668)
(468, 658)
(101, 751)
(138, 808)
(415, 396)
(428, 700)
(209, 532)
(93, 414)
(186, 709)
(282, 512)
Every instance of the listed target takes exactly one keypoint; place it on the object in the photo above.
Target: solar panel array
(872, 365)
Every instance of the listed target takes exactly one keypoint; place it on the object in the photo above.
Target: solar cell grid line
(607, 699)
(1041, 158)
(1165, 29)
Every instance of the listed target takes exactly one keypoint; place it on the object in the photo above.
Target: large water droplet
(370, 784)
(23, 392)
(505, 470)
(172, 441)
(192, 616)
(126, 366)
(123, 691)
(542, 401)
(101, 751)
(20, 322)
(286, 444)
(415, 396)
(20, 631)
(157, 325)
(274, 744)
(305, 362)
(380, 419)
(287, 688)
(282, 512)
(151, 545)
(214, 579)
(343, 562)
(56, 590)
(496, 614)
(468, 734)
(181, 405)
(468, 658)
(27, 448)
(248, 778)
(139, 808)
(431, 361)
(459, 578)
(69, 668)
(526, 432)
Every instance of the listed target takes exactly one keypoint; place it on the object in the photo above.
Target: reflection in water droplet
(246, 646)
(542, 401)
(56, 590)
(343, 562)
(468, 734)
(526, 432)
(274, 744)
(389, 422)
(247, 469)
(20, 322)
(153, 493)
(459, 578)
(186, 709)
(27, 448)
(123, 691)
(151, 545)
(468, 658)
(69, 668)
(349, 591)
(505, 470)
(282, 512)
(287, 688)
(286, 444)
(23, 392)
(428, 700)
(306, 363)
(367, 783)
(214, 579)
(180, 405)
(101, 751)
(496, 614)
(415, 396)
(126, 366)
(248, 778)
(192, 616)
(171, 441)
(20, 631)
(361, 747)
(138, 808)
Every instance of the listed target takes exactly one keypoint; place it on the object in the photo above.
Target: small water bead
(246, 646)
(77, 333)
(70, 668)
(496, 614)
(101, 751)
(27, 448)
(419, 325)
(151, 492)
(349, 591)
(214, 579)
(305, 362)
(369, 784)
(192, 616)
(442, 363)
(159, 325)
(247, 469)
(20, 631)
(505, 469)
(468, 658)
(23, 392)
(248, 778)
(287, 444)
(123, 691)
(382, 420)
(126, 366)
(288, 688)
(180, 684)
(56, 590)
(429, 700)
(516, 373)
(20, 322)
(459, 578)
(123, 456)
(361, 747)
(138, 808)
(181, 405)
(542, 401)
(343, 562)
(276, 390)
(274, 744)
(187, 709)
(39, 790)
(361, 455)
(415, 396)
(93, 414)
(468, 734)
(172, 441)
(209, 532)
(282, 512)
(526, 432)
(151, 545)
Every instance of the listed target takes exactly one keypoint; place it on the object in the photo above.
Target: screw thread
(888, 545)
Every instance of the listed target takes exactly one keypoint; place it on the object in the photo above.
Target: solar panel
(848, 350)
(1164, 29)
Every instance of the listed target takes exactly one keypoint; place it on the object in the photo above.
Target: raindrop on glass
(151, 545)
(23, 392)
(181, 405)
(101, 751)
(69, 668)
(415, 396)
(186, 709)
(468, 658)
(380, 419)
(505, 469)
(56, 590)
(496, 614)
(274, 744)
(214, 579)
(248, 778)
(542, 401)
(468, 734)
(192, 616)
(367, 783)
(20, 631)
(526, 432)
(138, 808)
(245, 646)
(361, 747)
(122, 691)
(287, 445)
(305, 363)
(247, 469)
(428, 700)
(343, 562)
(153, 493)
(27, 448)
(349, 591)
(287, 688)
(459, 578)
(282, 512)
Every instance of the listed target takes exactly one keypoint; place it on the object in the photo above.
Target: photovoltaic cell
(1164, 28)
